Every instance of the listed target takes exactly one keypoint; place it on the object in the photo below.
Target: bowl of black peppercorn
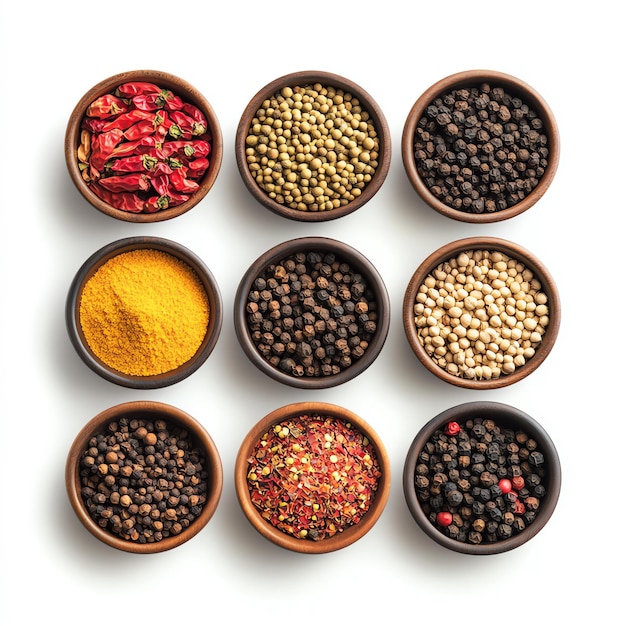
(312, 313)
(482, 478)
(480, 146)
(144, 477)
(313, 146)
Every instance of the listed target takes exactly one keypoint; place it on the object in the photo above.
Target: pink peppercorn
(444, 518)
(452, 428)
(517, 482)
(505, 485)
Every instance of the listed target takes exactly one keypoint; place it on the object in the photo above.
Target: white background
(53, 569)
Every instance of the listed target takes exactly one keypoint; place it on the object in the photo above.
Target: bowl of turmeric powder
(143, 146)
(144, 312)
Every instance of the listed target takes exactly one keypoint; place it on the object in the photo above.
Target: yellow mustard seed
(144, 312)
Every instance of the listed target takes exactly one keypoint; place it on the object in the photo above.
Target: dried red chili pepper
(137, 88)
(175, 198)
(94, 124)
(140, 146)
(197, 168)
(126, 182)
(313, 476)
(156, 203)
(106, 106)
(126, 120)
(165, 99)
(103, 146)
(135, 163)
(143, 128)
(125, 201)
(181, 183)
(197, 116)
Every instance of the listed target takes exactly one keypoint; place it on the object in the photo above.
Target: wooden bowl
(178, 87)
(100, 367)
(290, 540)
(308, 212)
(473, 79)
(506, 417)
(376, 294)
(76, 474)
(488, 381)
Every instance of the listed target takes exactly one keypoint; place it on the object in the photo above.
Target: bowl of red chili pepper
(313, 146)
(482, 478)
(143, 146)
(312, 477)
(144, 312)
(144, 477)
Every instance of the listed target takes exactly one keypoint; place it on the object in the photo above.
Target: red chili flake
(313, 476)
(452, 428)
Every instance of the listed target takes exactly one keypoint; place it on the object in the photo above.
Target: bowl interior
(359, 264)
(179, 87)
(326, 79)
(468, 79)
(283, 539)
(148, 411)
(507, 417)
(91, 266)
(512, 250)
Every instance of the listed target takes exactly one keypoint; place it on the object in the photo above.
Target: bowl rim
(471, 78)
(278, 537)
(169, 81)
(170, 414)
(326, 79)
(502, 414)
(111, 250)
(357, 261)
(513, 250)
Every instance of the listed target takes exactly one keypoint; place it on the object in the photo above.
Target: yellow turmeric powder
(144, 312)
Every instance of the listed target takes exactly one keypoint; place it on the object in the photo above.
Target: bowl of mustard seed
(482, 478)
(144, 477)
(144, 312)
(312, 313)
(480, 146)
(481, 313)
(312, 477)
(313, 146)
(143, 146)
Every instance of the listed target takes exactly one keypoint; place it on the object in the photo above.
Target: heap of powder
(144, 312)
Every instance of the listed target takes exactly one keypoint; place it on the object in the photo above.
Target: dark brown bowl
(326, 80)
(178, 87)
(471, 79)
(451, 251)
(506, 417)
(282, 538)
(91, 266)
(150, 411)
(358, 263)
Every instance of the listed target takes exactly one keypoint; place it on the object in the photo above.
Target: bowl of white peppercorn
(312, 313)
(482, 478)
(313, 146)
(481, 312)
(480, 146)
(144, 477)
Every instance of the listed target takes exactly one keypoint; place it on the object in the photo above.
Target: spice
(482, 500)
(144, 312)
(143, 480)
(313, 476)
(131, 130)
(481, 314)
(312, 147)
(311, 314)
(480, 149)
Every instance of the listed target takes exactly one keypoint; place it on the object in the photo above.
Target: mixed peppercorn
(480, 483)
(143, 148)
(143, 480)
(480, 149)
(311, 314)
(313, 476)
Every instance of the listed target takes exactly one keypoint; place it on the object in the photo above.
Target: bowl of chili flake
(143, 146)
(312, 477)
